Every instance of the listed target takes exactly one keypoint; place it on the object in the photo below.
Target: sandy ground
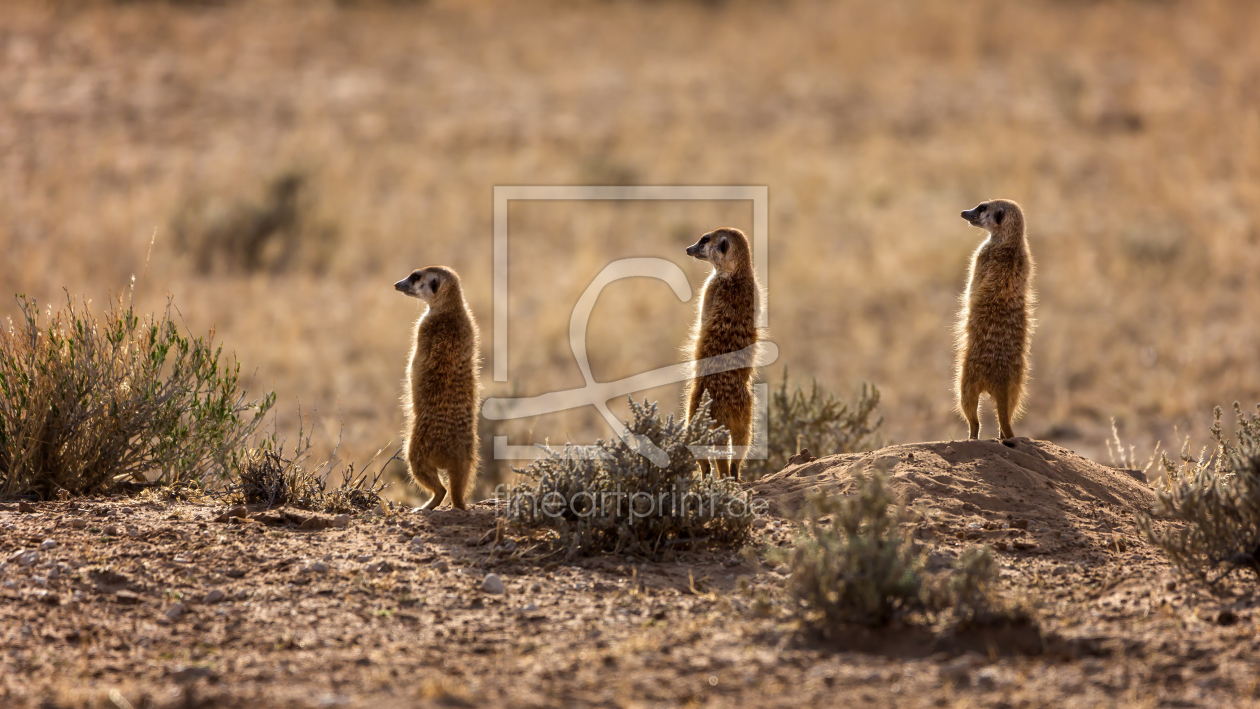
(164, 606)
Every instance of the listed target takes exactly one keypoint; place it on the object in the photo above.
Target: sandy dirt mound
(172, 605)
(1026, 496)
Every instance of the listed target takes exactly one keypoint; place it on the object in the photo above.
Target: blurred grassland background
(295, 159)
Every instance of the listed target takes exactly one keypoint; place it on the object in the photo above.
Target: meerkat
(996, 322)
(726, 322)
(442, 391)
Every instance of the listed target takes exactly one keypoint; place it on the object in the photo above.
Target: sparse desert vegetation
(1126, 129)
(856, 563)
(265, 171)
(87, 402)
(815, 420)
(1215, 498)
(614, 499)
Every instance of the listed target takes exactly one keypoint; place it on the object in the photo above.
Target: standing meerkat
(442, 397)
(726, 323)
(996, 323)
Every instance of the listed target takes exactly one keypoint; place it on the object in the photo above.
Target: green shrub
(621, 502)
(968, 589)
(855, 563)
(1216, 500)
(85, 403)
(816, 420)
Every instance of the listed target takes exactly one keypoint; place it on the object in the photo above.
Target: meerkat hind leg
(741, 435)
(458, 476)
(427, 477)
(723, 467)
(970, 405)
(704, 466)
(438, 496)
(723, 461)
(1005, 405)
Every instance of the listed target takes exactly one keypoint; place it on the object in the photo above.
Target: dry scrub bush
(855, 563)
(85, 403)
(816, 420)
(1216, 498)
(263, 475)
(621, 502)
(968, 591)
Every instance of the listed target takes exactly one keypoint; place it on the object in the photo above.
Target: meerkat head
(726, 248)
(998, 217)
(433, 285)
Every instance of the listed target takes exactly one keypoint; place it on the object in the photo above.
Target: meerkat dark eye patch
(981, 208)
(433, 284)
(999, 215)
(414, 277)
(704, 239)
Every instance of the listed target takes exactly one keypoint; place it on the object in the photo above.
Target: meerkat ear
(999, 216)
(724, 245)
(434, 284)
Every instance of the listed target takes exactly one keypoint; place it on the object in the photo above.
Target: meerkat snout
(699, 250)
(715, 247)
(986, 215)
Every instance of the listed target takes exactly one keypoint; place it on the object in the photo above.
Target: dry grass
(815, 421)
(1214, 503)
(620, 502)
(1129, 131)
(266, 477)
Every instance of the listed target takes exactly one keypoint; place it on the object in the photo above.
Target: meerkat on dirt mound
(996, 323)
(442, 391)
(726, 323)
